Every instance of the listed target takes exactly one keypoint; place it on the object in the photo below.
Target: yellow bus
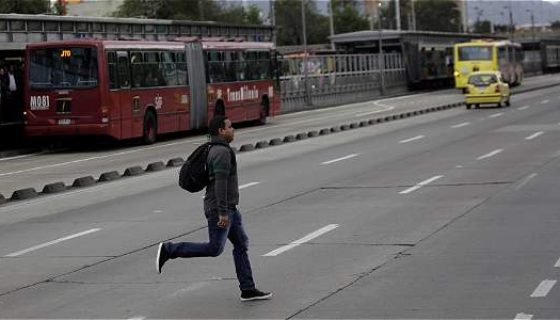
(488, 55)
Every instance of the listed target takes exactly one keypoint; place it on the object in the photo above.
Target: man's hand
(223, 221)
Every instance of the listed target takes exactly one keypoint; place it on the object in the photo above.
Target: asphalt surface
(448, 215)
(37, 170)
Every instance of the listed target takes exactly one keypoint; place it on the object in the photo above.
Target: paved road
(448, 215)
(39, 169)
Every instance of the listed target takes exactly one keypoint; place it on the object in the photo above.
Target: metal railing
(338, 79)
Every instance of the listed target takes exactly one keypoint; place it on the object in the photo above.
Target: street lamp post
(532, 24)
(305, 71)
(380, 57)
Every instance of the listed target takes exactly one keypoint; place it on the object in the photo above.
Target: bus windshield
(68, 68)
(476, 53)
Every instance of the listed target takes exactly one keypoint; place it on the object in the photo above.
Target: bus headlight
(456, 74)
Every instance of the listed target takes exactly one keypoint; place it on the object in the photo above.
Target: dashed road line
(495, 115)
(523, 316)
(524, 108)
(545, 101)
(543, 289)
(464, 124)
(340, 159)
(533, 136)
(250, 184)
(525, 181)
(412, 139)
(491, 154)
(50, 243)
(303, 240)
(420, 185)
(557, 264)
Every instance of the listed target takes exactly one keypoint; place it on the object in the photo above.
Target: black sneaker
(162, 257)
(254, 294)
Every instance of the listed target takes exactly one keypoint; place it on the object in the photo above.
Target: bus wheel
(150, 128)
(508, 103)
(265, 107)
(219, 110)
(468, 106)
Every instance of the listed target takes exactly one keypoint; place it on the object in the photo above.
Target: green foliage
(195, 10)
(25, 6)
(289, 23)
(482, 27)
(437, 15)
(347, 17)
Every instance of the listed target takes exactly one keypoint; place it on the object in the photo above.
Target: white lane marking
(412, 139)
(545, 101)
(386, 108)
(247, 185)
(21, 157)
(303, 240)
(464, 124)
(557, 265)
(137, 318)
(525, 181)
(491, 154)
(340, 159)
(420, 185)
(543, 289)
(524, 108)
(50, 243)
(523, 316)
(157, 211)
(533, 136)
(495, 115)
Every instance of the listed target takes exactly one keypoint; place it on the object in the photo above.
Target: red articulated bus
(133, 89)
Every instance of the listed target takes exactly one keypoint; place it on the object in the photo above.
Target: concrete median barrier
(83, 182)
(175, 162)
(155, 166)
(109, 176)
(301, 136)
(261, 145)
(133, 171)
(354, 125)
(324, 131)
(344, 127)
(24, 194)
(247, 147)
(275, 142)
(2, 199)
(335, 129)
(364, 124)
(289, 138)
(313, 134)
(54, 188)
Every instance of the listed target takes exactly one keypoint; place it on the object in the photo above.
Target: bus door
(126, 100)
(197, 82)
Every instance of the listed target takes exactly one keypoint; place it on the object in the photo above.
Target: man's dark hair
(217, 123)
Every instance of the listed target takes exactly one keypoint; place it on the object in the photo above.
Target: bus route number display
(65, 53)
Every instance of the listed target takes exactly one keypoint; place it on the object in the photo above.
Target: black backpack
(193, 175)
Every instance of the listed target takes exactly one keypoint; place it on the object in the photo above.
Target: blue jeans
(217, 241)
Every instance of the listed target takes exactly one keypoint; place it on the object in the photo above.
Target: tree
(347, 17)
(484, 26)
(195, 10)
(438, 15)
(555, 25)
(25, 6)
(289, 23)
(253, 15)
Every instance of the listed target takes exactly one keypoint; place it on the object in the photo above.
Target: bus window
(123, 70)
(182, 76)
(137, 69)
(73, 67)
(113, 72)
(475, 53)
(502, 55)
(168, 68)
